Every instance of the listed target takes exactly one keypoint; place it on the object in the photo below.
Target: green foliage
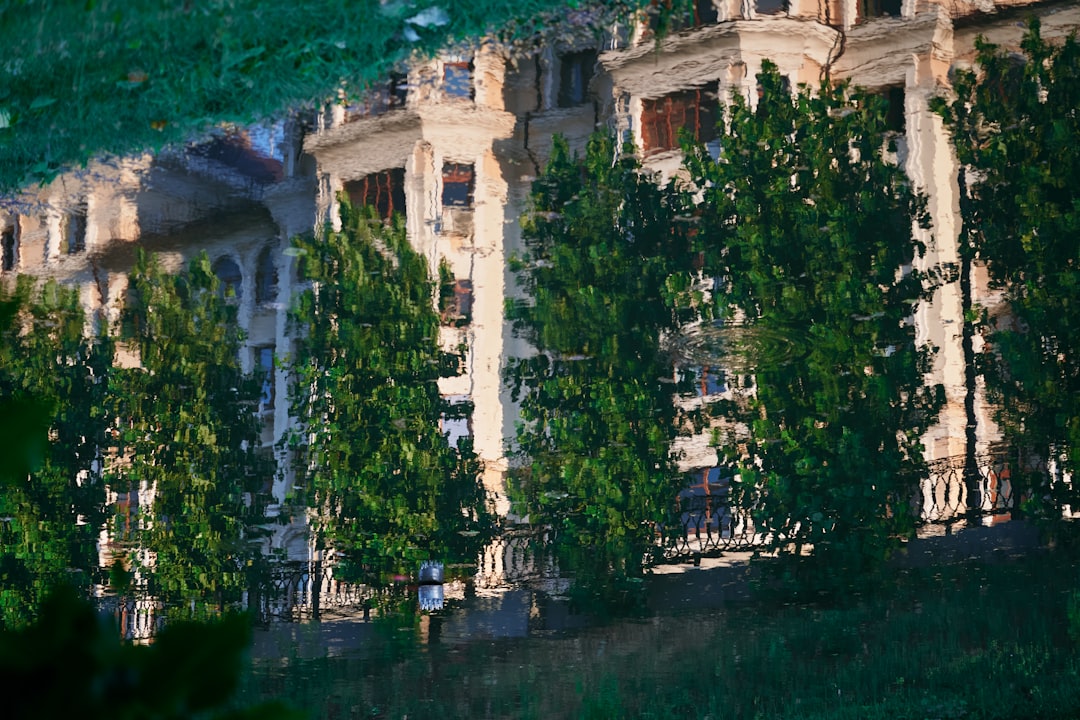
(598, 400)
(809, 230)
(1016, 129)
(386, 488)
(189, 435)
(57, 657)
(85, 78)
(70, 664)
(52, 382)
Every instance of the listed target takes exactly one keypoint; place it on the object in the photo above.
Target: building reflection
(454, 144)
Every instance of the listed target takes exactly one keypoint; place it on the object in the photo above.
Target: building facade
(455, 143)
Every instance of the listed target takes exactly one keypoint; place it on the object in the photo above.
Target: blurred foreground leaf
(70, 663)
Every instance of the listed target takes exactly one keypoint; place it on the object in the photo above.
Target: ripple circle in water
(738, 347)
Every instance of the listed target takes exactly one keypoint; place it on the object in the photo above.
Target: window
(75, 231)
(705, 13)
(682, 15)
(455, 306)
(456, 420)
(894, 115)
(695, 111)
(267, 467)
(705, 502)
(458, 80)
(879, 8)
(9, 250)
(228, 274)
(771, 7)
(397, 90)
(576, 72)
(384, 191)
(458, 183)
(710, 381)
(266, 277)
(126, 511)
(264, 357)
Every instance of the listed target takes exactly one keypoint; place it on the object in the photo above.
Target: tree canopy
(803, 229)
(808, 226)
(53, 382)
(598, 413)
(386, 488)
(189, 434)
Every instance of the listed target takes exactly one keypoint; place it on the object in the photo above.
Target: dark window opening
(458, 79)
(576, 72)
(266, 277)
(771, 7)
(705, 13)
(76, 231)
(265, 357)
(456, 305)
(266, 455)
(397, 90)
(8, 250)
(894, 113)
(459, 181)
(681, 14)
(695, 111)
(229, 277)
(879, 8)
(384, 191)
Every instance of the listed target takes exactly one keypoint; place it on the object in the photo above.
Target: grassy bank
(961, 641)
(102, 76)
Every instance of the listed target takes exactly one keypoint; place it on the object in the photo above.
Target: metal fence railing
(710, 520)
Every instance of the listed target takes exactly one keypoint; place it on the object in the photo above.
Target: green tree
(607, 256)
(809, 229)
(386, 488)
(1016, 132)
(189, 433)
(53, 379)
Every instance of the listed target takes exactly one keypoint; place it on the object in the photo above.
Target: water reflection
(392, 355)
(518, 655)
(739, 347)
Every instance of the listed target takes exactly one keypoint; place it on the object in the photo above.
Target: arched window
(266, 277)
(228, 272)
